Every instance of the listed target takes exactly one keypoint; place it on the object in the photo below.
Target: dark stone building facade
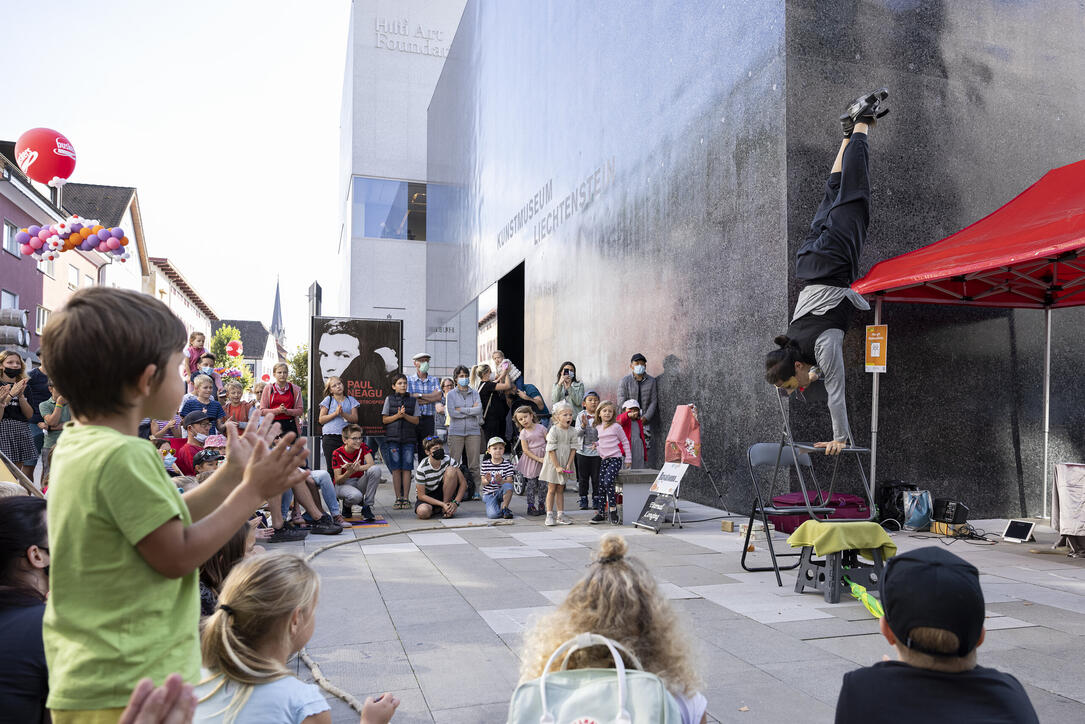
(635, 178)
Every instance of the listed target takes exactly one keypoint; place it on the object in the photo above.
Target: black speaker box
(949, 511)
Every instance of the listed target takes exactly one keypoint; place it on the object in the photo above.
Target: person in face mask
(426, 389)
(464, 406)
(24, 581)
(16, 440)
(197, 427)
(169, 458)
(206, 366)
(439, 484)
(640, 386)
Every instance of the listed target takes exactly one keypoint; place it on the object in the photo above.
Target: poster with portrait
(365, 354)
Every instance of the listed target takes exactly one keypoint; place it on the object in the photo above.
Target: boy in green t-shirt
(124, 600)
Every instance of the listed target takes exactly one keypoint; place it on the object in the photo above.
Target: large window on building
(73, 277)
(8, 300)
(43, 317)
(48, 266)
(388, 209)
(10, 245)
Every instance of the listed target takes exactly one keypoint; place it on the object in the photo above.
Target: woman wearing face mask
(15, 411)
(568, 388)
(464, 407)
(24, 584)
(440, 416)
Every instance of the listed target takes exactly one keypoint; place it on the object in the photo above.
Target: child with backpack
(125, 544)
(619, 599)
(265, 614)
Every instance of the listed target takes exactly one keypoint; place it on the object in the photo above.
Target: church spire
(277, 329)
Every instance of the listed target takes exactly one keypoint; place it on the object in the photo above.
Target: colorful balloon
(46, 156)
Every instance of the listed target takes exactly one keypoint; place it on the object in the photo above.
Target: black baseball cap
(934, 588)
(193, 417)
(638, 357)
(207, 456)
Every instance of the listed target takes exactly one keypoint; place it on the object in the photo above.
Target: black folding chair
(777, 455)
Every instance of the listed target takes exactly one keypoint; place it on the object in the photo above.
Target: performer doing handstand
(828, 262)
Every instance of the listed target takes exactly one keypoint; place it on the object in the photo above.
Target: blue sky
(224, 115)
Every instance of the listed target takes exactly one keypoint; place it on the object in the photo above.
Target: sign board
(365, 354)
(877, 337)
(659, 508)
(669, 477)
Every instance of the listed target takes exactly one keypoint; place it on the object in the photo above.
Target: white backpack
(613, 695)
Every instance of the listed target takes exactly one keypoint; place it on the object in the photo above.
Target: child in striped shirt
(497, 475)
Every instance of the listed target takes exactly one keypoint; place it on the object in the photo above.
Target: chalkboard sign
(657, 510)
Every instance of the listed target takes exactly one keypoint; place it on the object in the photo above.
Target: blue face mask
(463, 381)
(169, 460)
(638, 369)
(207, 370)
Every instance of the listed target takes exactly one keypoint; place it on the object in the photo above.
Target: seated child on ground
(265, 614)
(497, 476)
(125, 544)
(934, 614)
(619, 599)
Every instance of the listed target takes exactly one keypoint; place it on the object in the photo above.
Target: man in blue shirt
(426, 390)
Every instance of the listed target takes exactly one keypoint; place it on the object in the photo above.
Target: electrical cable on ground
(318, 676)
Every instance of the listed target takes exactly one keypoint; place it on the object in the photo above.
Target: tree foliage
(222, 337)
(299, 367)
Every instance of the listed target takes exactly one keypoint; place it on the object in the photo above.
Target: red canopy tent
(1029, 254)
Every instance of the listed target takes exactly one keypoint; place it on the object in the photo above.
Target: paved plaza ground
(436, 616)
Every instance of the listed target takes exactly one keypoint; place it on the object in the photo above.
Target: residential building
(167, 284)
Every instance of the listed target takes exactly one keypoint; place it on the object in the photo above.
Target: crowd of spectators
(128, 576)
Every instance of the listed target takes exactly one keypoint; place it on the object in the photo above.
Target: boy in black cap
(934, 615)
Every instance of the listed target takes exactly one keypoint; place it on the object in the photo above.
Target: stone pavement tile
(471, 714)
(1052, 707)
(337, 609)
(437, 538)
(372, 549)
(764, 602)
(670, 591)
(765, 703)
(572, 557)
(546, 540)
(690, 575)
(698, 612)
(997, 623)
(513, 620)
(365, 670)
(1056, 618)
(1038, 638)
(757, 643)
(451, 609)
(497, 597)
(544, 563)
(827, 628)
(550, 580)
(722, 563)
(468, 673)
(518, 551)
(1058, 675)
(820, 678)
(847, 611)
(863, 650)
(716, 665)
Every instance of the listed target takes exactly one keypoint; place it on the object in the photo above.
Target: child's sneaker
(550, 518)
(326, 526)
(614, 517)
(562, 520)
(287, 534)
(507, 514)
(597, 519)
(584, 502)
(367, 514)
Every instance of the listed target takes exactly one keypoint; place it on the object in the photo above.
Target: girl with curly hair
(619, 599)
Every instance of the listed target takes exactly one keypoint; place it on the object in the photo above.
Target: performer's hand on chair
(833, 447)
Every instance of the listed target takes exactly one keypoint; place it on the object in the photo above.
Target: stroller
(518, 481)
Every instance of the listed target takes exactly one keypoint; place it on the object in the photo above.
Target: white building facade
(396, 51)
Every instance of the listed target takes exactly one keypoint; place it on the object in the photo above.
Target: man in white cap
(633, 425)
(426, 390)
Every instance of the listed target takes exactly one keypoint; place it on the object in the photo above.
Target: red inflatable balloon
(233, 348)
(45, 156)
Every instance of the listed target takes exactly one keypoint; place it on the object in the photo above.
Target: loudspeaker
(949, 511)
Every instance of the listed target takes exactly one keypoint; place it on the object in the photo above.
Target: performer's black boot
(865, 109)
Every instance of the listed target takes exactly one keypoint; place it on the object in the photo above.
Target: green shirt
(111, 619)
(51, 436)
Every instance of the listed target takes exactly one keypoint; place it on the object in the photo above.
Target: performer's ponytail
(780, 363)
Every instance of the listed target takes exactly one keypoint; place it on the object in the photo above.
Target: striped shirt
(502, 469)
(431, 477)
(419, 386)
